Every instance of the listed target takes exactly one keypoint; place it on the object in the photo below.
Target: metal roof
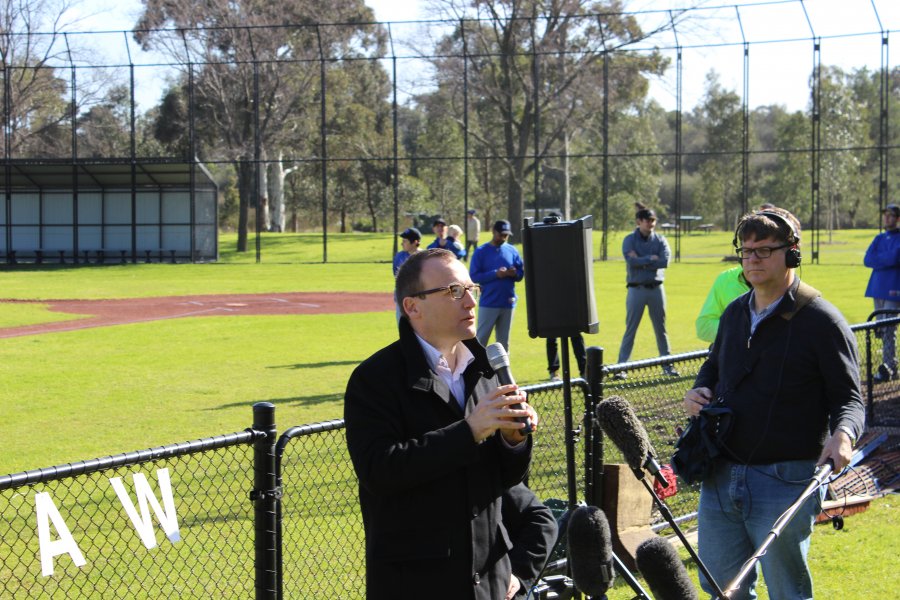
(44, 174)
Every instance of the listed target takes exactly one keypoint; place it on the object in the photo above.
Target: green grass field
(186, 378)
(93, 392)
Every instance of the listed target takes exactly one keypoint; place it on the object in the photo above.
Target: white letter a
(44, 508)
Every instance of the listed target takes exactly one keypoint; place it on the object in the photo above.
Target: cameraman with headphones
(785, 363)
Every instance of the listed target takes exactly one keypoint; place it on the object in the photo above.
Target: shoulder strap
(805, 295)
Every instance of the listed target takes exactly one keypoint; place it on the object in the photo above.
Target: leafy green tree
(232, 48)
(719, 190)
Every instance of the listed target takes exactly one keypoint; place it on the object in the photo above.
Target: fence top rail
(654, 362)
(870, 324)
(43, 475)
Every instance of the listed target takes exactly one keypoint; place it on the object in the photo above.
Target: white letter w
(143, 524)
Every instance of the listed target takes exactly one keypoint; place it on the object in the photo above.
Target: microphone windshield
(663, 570)
(623, 427)
(497, 356)
(590, 551)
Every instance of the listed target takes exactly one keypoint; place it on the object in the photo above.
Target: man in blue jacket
(496, 267)
(646, 257)
(883, 257)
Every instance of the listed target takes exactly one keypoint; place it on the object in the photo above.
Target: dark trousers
(577, 348)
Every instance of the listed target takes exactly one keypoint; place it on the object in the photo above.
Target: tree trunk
(370, 203)
(276, 193)
(244, 169)
(263, 203)
(567, 199)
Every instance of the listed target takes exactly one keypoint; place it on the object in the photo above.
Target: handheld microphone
(590, 551)
(499, 361)
(620, 423)
(663, 571)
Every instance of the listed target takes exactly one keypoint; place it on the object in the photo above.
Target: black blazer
(430, 496)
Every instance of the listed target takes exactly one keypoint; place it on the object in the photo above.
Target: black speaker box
(559, 278)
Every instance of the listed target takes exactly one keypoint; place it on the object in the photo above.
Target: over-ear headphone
(792, 256)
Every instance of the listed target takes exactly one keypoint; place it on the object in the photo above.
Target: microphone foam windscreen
(663, 571)
(497, 356)
(623, 427)
(590, 551)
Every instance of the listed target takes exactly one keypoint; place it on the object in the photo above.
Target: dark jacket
(532, 530)
(429, 494)
(795, 378)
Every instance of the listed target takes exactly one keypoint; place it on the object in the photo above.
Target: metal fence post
(593, 439)
(266, 497)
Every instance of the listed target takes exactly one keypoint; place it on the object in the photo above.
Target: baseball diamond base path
(104, 313)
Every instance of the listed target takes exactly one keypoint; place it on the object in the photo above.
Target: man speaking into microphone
(784, 361)
(435, 442)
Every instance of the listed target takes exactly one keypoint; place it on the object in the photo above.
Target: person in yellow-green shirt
(728, 285)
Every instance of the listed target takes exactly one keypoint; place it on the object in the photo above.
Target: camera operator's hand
(696, 399)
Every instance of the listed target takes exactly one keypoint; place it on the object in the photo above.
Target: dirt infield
(104, 313)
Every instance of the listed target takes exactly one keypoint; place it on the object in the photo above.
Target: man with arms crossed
(785, 361)
(435, 444)
(646, 257)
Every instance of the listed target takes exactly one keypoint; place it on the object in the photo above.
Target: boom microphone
(620, 423)
(663, 570)
(590, 551)
(499, 361)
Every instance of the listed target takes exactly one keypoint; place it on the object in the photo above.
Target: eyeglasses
(761, 252)
(457, 290)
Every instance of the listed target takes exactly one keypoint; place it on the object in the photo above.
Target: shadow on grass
(293, 401)
(336, 363)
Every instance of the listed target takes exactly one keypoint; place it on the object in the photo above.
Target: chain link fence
(101, 540)
(322, 539)
(223, 513)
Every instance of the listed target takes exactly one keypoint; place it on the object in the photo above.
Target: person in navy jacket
(883, 257)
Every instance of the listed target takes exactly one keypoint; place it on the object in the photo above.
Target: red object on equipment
(661, 492)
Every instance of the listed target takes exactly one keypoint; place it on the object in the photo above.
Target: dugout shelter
(107, 212)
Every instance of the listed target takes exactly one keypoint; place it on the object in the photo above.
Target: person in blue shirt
(883, 257)
(646, 257)
(447, 242)
(496, 266)
(409, 241)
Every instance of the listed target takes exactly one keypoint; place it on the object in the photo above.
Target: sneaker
(554, 376)
(621, 375)
(670, 371)
(884, 374)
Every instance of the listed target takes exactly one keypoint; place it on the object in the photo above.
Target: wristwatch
(849, 433)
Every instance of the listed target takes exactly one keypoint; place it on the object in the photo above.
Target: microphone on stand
(499, 361)
(619, 422)
(590, 551)
(663, 570)
(623, 427)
